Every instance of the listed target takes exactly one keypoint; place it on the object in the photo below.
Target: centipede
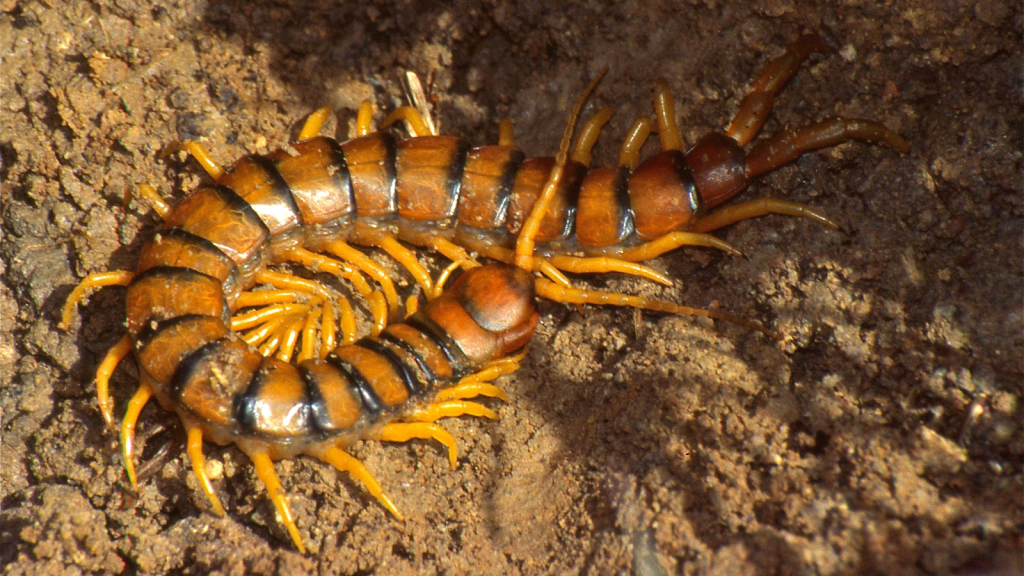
(250, 354)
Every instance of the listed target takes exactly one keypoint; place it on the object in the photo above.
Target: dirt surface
(882, 435)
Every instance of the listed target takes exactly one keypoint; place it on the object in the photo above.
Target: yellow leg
(378, 304)
(254, 318)
(407, 258)
(131, 416)
(103, 373)
(289, 282)
(412, 118)
(673, 240)
(364, 120)
(588, 136)
(442, 278)
(476, 384)
(453, 252)
(598, 265)
(665, 112)
(348, 321)
(343, 250)
(506, 133)
(405, 431)
(327, 334)
(92, 281)
(266, 297)
(197, 151)
(306, 351)
(471, 389)
(545, 267)
(195, 454)
(331, 266)
(345, 462)
(451, 409)
(313, 124)
(257, 336)
(734, 213)
(629, 154)
(154, 198)
(290, 338)
(412, 305)
(551, 291)
(265, 472)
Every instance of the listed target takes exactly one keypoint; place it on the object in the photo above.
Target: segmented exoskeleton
(219, 353)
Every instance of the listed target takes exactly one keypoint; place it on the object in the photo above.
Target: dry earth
(882, 435)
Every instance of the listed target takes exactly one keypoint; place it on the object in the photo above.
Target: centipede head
(489, 311)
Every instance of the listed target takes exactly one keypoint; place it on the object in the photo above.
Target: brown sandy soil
(882, 435)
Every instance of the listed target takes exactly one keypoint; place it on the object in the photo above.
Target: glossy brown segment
(335, 405)
(317, 173)
(180, 249)
(210, 381)
(428, 351)
(163, 353)
(378, 372)
(662, 195)
(487, 185)
(533, 173)
(256, 180)
(219, 215)
(717, 164)
(371, 166)
(601, 215)
(275, 402)
(166, 293)
(429, 171)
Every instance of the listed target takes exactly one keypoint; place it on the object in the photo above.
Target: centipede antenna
(525, 242)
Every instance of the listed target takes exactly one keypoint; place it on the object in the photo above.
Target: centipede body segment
(280, 371)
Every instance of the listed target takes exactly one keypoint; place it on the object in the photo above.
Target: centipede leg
(197, 151)
(589, 133)
(788, 145)
(150, 194)
(629, 154)
(550, 290)
(673, 240)
(451, 409)
(345, 462)
(601, 264)
(364, 119)
(665, 113)
(412, 118)
(405, 431)
(195, 453)
(731, 214)
(476, 384)
(377, 301)
(265, 472)
(313, 124)
(755, 106)
(407, 258)
(91, 282)
(506, 133)
(114, 357)
(135, 406)
(343, 250)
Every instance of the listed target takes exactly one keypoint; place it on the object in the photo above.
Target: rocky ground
(881, 435)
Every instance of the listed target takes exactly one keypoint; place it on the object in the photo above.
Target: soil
(881, 435)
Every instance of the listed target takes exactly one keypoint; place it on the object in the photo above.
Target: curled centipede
(220, 353)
